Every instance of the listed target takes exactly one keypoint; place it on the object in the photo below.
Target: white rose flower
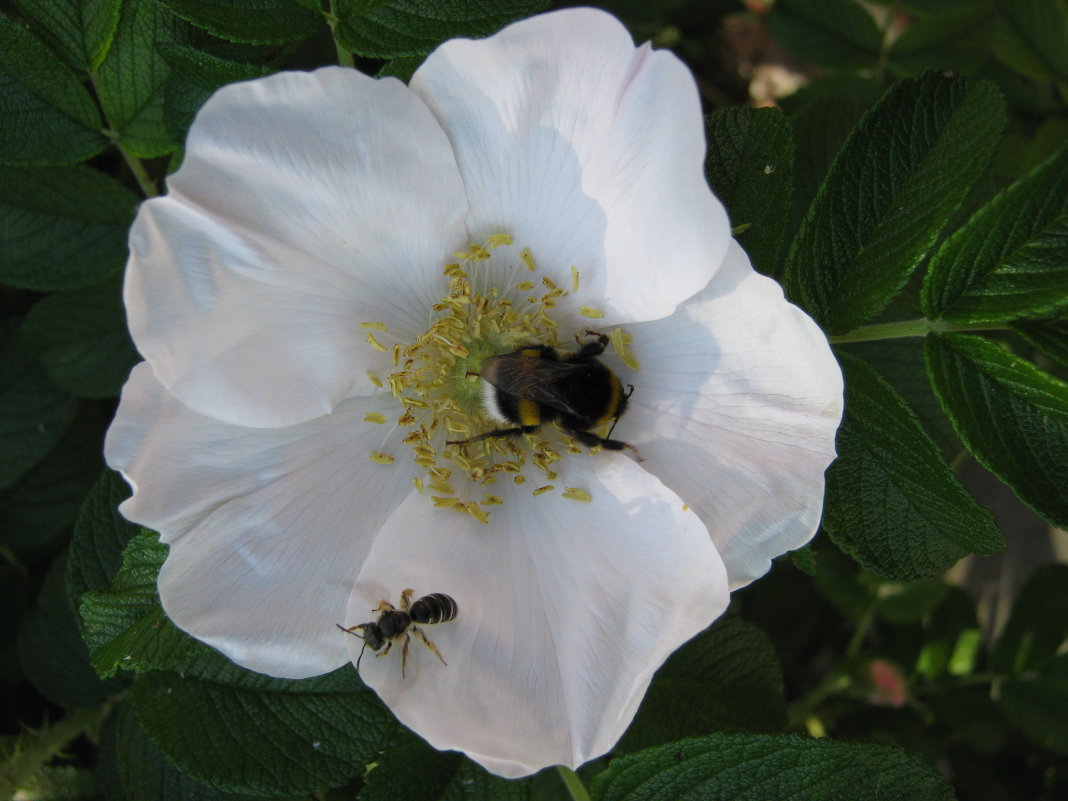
(313, 299)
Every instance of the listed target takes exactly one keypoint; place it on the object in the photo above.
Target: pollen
(435, 379)
(576, 494)
(588, 311)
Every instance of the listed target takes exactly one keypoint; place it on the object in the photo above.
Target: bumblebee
(535, 384)
(394, 625)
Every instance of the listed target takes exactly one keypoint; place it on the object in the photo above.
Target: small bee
(395, 624)
(535, 384)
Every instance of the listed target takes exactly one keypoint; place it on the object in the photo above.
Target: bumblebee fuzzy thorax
(450, 383)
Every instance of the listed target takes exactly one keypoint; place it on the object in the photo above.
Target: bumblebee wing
(531, 378)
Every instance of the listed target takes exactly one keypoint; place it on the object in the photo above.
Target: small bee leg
(406, 600)
(404, 655)
(351, 629)
(386, 649)
(422, 638)
(500, 432)
(384, 606)
(591, 349)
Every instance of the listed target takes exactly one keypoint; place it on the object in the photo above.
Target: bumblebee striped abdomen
(434, 608)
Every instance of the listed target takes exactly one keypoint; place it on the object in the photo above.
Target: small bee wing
(530, 378)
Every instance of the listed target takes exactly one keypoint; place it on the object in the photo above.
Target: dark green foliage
(892, 502)
(904, 169)
(753, 767)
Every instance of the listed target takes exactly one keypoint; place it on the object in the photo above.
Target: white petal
(735, 408)
(587, 150)
(267, 527)
(307, 203)
(566, 609)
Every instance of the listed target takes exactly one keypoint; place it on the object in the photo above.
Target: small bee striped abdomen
(434, 608)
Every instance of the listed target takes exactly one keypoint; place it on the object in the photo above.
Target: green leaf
(81, 339)
(1038, 705)
(34, 413)
(1043, 25)
(959, 41)
(62, 227)
(80, 31)
(125, 626)
(243, 732)
(441, 776)
(725, 679)
(399, 28)
(892, 502)
(829, 33)
(891, 190)
(901, 363)
(44, 502)
(52, 653)
(1010, 260)
(1038, 625)
(753, 767)
(1049, 337)
(142, 771)
(902, 604)
(250, 21)
(1012, 416)
(48, 116)
(100, 535)
(750, 166)
(195, 75)
(948, 631)
(133, 75)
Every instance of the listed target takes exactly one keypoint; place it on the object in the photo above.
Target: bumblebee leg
(422, 638)
(591, 440)
(406, 600)
(591, 349)
(499, 432)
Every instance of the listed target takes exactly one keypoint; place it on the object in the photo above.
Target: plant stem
(910, 328)
(344, 57)
(34, 749)
(140, 174)
(573, 783)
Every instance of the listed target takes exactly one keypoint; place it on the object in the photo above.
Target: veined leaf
(125, 626)
(754, 767)
(398, 28)
(80, 31)
(48, 116)
(750, 166)
(891, 190)
(1012, 416)
(263, 736)
(132, 77)
(82, 341)
(1038, 625)
(251, 21)
(62, 227)
(1049, 337)
(839, 34)
(892, 502)
(1010, 261)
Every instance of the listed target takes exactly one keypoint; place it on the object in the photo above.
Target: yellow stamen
(576, 494)
(543, 490)
(381, 458)
(528, 259)
(374, 343)
(588, 311)
(374, 417)
(574, 278)
(375, 326)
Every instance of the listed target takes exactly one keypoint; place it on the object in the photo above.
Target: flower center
(436, 380)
